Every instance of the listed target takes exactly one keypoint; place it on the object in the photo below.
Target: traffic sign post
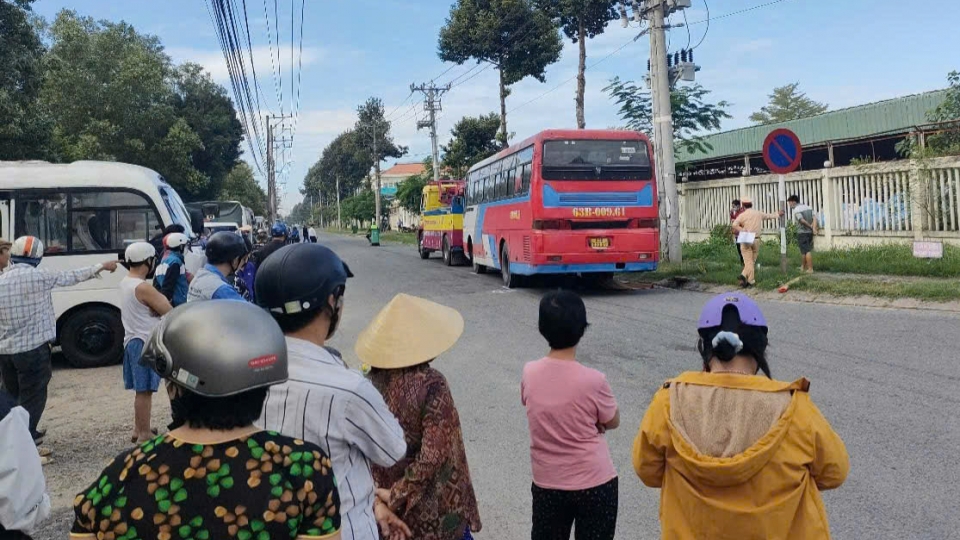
(782, 152)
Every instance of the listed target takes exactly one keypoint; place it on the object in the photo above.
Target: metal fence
(891, 200)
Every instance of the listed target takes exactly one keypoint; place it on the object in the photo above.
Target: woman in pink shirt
(569, 408)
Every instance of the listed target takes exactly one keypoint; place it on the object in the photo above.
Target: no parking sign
(782, 151)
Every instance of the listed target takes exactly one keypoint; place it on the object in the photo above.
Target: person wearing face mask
(225, 253)
(325, 402)
(141, 306)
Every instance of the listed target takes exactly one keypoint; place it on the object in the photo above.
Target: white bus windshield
(178, 212)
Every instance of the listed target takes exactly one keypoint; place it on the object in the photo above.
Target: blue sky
(843, 52)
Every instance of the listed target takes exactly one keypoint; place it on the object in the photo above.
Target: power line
(402, 103)
(223, 18)
(276, 82)
(707, 6)
(296, 117)
(740, 12)
(276, 32)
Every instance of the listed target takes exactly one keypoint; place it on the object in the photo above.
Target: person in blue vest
(295, 236)
(171, 275)
(226, 252)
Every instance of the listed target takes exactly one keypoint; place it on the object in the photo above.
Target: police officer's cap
(299, 278)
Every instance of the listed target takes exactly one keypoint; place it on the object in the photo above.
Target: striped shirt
(326, 403)
(27, 317)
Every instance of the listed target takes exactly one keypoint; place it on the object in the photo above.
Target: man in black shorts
(806, 228)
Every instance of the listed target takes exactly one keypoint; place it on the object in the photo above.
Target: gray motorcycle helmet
(218, 348)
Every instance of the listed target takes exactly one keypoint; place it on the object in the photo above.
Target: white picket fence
(899, 201)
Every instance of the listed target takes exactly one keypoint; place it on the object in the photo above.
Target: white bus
(85, 213)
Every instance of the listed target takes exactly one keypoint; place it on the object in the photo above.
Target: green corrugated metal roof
(890, 116)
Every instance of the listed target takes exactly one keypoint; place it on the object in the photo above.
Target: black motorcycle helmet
(298, 279)
(223, 247)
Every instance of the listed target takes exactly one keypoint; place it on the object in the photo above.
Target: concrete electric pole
(431, 104)
(663, 76)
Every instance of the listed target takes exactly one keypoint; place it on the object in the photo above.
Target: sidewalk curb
(801, 297)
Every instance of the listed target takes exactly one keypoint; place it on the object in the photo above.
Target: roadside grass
(391, 237)
(926, 290)
(888, 271)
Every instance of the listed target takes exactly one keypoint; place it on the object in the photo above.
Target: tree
(692, 115)
(580, 20)
(410, 191)
(240, 185)
(108, 89)
(946, 143)
(362, 207)
(787, 103)
(374, 138)
(210, 113)
(474, 139)
(25, 128)
(518, 40)
(343, 158)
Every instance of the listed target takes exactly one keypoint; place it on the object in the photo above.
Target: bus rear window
(596, 160)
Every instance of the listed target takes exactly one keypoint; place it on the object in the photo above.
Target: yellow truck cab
(441, 220)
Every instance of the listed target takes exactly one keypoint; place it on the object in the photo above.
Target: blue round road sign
(782, 151)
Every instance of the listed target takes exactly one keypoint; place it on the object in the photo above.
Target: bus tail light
(644, 256)
(644, 223)
(550, 224)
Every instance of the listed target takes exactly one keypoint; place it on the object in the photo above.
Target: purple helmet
(749, 311)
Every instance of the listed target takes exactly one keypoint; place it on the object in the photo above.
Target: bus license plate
(600, 243)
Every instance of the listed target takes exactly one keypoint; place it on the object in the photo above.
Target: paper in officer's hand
(746, 237)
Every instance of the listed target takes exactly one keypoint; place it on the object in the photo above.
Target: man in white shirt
(325, 402)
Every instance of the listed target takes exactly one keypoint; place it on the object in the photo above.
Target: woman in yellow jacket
(738, 455)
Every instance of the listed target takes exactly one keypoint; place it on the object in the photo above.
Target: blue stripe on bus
(481, 213)
(529, 269)
(554, 199)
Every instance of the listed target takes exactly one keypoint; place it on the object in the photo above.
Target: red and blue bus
(564, 202)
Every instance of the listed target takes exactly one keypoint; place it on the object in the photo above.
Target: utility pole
(664, 74)
(272, 142)
(376, 172)
(431, 103)
(339, 217)
(663, 125)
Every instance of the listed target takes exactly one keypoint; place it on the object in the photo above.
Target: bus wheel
(477, 268)
(510, 280)
(92, 337)
(424, 253)
(447, 254)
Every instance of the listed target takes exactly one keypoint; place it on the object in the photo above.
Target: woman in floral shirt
(430, 489)
(215, 476)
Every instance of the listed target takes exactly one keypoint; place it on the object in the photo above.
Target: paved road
(887, 381)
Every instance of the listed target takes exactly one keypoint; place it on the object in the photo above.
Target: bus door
(6, 219)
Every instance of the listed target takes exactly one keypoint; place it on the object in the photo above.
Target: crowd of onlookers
(273, 435)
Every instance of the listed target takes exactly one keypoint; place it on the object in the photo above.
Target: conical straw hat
(407, 332)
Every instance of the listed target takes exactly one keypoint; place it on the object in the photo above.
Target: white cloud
(264, 60)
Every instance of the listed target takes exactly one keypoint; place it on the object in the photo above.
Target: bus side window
(525, 180)
(44, 216)
(109, 220)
